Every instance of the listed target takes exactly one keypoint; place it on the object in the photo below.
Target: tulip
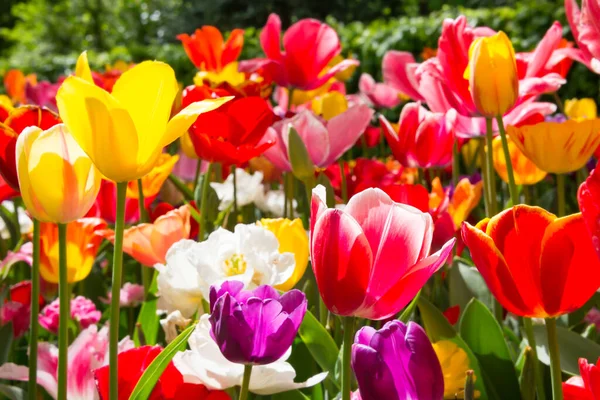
(17, 120)
(396, 362)
(455, 364)
(587, 385)
(586, 31)
(533, 262)
(254, 327)
(355, 254)
(148, 243)
(579, 109)
(58, 181)
(325, 141)
(525, 171)
(153, 181)
(18, 309)
(83, 242)
(422, 139)
(207, 51)
(588, 197)
(380, 95)
(124, 132)
(15, 82)
(105, 205)
(309, 45)
(6, 106)
(231, 134)
(132, 295)
(170, 384)
(82, 310)
(492, 75)
(465, 197)
(292, 239)
(557, 147)
(86, 354)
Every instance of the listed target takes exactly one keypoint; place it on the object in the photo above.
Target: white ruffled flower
(272, 202)
(25, 223)
(248, 188)
(170, 324)
(250, 255)
(205, 364)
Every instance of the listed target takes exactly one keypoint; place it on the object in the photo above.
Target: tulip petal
(342, 261)
(374, 376)
(344, 130)
(82, 68)
(233, 46)
(399, 72)
(16, 372)
(270, 37)
(569, 268)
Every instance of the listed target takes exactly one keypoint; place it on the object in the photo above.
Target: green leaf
(408, 311)
(149, 322)
(12, 392)
(324, 180)
(181, 187)
(459, 292)
(475, 283)
(302, 165)
(527, 377)
(6, 339)
(291, 395)
(480, 330)
(146, 384)
(572, 347)
(320, 344)
(438, 328)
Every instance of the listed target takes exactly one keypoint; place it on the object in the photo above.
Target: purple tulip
(396, 362)
(254, 326)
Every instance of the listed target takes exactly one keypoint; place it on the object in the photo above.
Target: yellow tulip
(124, 132)
(187, 146)
(293, 239)
(579, 109)
(330, 105)
(59, 183)
(229, 74)
(152, 182)
(525, 171)
(345, 74)
(455, 364)
(557, 147)
(492, 75)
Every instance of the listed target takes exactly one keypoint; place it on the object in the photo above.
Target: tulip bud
(527, 378)
(59, 183)
(469, 386)
(302, 165)
(492, 75)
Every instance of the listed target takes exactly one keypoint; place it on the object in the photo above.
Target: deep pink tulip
(371, 259)
(422, 139)
(585, 26)
(378, 94)
(325, 141)
(309, 45)
(399, 68)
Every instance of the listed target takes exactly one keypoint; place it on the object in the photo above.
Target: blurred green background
(45, 36)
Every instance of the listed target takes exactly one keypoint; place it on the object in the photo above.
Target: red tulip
(17, 309)
(19, 119)
(231, 133)
(170, 385)
(589, 203)
(105, 205)
(309, 45)
(586, 386)
(207, 50)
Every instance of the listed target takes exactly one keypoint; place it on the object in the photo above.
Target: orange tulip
(465, 198)
(535, 264)
(15, 82)
(149, 243)
(206, 49)
(525, 171)
(82, 246)
(152, 182)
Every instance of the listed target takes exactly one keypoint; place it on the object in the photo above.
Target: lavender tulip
(396, 362)
(254, 327)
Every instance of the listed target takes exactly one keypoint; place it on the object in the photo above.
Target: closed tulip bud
(59, 183)
(492, 75)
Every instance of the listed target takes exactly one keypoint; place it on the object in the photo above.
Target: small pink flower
(83, 310)
(132, 295)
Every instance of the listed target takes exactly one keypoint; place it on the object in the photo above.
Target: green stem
(455, 163)
(63, 323)
(560, 194)
(514, 194)
(486, 181)
(490, 168)
(116, 292)
(197, 174)
(290, 196)
(203, 201)
(235, 205)
(344, 183)
(180, 186)
(246, 382)
(539, 383)
(559, 103)
(346, 370)
(141, 202)
(285, 195)
(35, 310)
(557, 393)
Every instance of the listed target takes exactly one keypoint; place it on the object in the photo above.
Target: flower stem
(539, 383)
(146, 277)
(512, 187)
(455, 163)
(246, 382)
(346, 370)
(557, 393)
(560, 194)
(486, 181)
(235, 204)
(290, 196)
(203, 200)
(35, 310)
(285, 195)
(490, 168)
(344, 183)
(116, 292)
(197, 174)
(63, 323)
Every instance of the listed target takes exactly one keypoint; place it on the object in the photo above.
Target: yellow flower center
(235, 265)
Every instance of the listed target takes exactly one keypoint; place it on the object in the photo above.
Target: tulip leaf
(181, 187)
(302, 165)
(12, 392)
(409, 310)
(572, 347)
(148, 380)
(474, 282)
(527, 377)
(320, 344)
(6, 340)
(290, 395)
(480, 330)
(438, 328)
(148, 322)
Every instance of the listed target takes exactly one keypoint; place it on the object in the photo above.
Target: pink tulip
(325, 141)
(399, 69)
(585, 27)
(309, 45)
(378, 94)
(88, 352)
(371, 259)
(423, 139)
